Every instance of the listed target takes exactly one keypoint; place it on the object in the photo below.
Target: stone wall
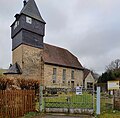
(89, 79)
(30, 61)
(48, 76)
(17, 55)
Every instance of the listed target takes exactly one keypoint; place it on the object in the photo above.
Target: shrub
(24, 84)
(28, 84)
(4, 82)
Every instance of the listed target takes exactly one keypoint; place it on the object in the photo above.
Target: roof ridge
(55, 46)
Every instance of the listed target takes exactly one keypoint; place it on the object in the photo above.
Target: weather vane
(25, 2)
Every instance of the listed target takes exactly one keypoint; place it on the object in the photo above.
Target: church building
(33, 59)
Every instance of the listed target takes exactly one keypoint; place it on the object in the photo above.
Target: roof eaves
(66, 66)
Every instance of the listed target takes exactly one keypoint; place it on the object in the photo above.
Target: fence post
(93, 98)
(98, 101)
(40, 98)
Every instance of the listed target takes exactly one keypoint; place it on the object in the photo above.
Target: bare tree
(114, 65)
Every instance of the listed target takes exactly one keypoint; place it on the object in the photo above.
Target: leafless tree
(114, 65)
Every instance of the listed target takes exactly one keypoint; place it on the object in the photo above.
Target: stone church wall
(48, 76)
(17, 55)
(30, 61)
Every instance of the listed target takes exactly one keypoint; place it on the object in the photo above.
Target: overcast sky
(90, 29)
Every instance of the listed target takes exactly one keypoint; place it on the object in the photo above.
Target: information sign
(79, 90)
(113, 85)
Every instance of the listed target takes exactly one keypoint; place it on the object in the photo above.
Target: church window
(68, 83)
(54, 75)
(72, 74)
(64, 74)
(16, 24)
(29, 20)
(89, 85)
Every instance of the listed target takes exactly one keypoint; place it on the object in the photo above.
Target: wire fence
(68, 101)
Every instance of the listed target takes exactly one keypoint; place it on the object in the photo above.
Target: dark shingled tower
(28, 27)
(30, 9)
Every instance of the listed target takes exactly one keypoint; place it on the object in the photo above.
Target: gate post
(68, 101)
(40, 98)
(98, 101)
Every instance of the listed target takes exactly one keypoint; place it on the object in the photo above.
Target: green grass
(32, 115)
(107, 108)
(74, 101)
(110, 114)
(60, 101)
(2, 71)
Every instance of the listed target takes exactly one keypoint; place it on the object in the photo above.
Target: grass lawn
(110, 114)
(2, 71)
(107, 108)
(75, 100)
(83, 101)
(72, 101)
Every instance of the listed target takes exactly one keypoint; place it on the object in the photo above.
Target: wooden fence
(15, 103)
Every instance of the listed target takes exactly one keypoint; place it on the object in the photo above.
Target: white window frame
(28, 20)
(16, 24)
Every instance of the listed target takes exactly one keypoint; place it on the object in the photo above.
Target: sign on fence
(79, 90)
(113, 85)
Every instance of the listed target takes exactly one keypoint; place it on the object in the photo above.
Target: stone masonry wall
(89, 79)
(30, 61)
(48, 74)
(17, 55)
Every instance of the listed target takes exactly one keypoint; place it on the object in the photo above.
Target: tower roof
(31, 9)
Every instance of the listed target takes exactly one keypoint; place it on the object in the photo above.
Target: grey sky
(90, 29)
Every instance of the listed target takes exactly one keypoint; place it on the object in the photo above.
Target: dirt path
(63, 116)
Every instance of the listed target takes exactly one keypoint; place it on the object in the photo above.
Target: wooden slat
(15, 103)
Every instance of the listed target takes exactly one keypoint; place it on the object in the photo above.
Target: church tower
(27, 33)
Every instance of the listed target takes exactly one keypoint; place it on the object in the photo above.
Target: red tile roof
(59, 56)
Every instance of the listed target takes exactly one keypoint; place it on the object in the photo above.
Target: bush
(23, 84)
(28, 84)
(4, 82)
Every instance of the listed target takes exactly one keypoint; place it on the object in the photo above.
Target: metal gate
(66, 100)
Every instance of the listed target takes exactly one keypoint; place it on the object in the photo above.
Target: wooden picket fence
(15, 103)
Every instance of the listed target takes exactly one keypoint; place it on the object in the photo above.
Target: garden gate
(67, 100)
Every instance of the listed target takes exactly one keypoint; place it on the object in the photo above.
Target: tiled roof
(59, 56)
(31, 10)
(86, 72)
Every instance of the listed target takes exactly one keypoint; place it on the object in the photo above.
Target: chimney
(24, 2)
